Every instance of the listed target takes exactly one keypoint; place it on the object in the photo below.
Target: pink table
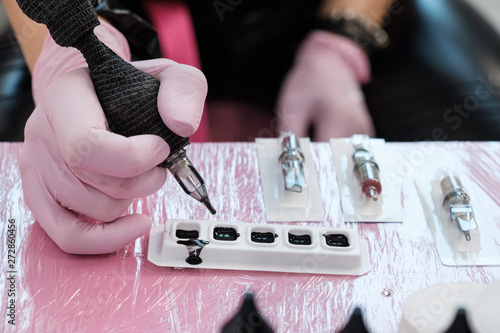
(123, 292)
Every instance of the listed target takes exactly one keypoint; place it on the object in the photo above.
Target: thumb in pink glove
(322, 90)
(79, 178)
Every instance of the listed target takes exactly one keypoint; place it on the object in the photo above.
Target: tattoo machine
(128, 95)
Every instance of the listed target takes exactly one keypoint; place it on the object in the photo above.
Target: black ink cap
(459, 325)
(247, 320)
(356, 323)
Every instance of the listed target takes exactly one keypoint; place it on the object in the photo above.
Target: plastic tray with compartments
(258, 247)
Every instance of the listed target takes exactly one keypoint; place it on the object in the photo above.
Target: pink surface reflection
(123, 292)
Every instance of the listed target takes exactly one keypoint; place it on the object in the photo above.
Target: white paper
(287, 206)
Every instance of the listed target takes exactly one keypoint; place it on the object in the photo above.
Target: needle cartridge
(292, 162)
(188, 178)
(367, 171)
(457, 201)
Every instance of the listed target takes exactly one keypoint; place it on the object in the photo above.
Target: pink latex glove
(76, 173)
(322, 89)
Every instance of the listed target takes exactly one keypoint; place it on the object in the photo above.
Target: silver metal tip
(373, 193)
(293, 188)
(293, 180)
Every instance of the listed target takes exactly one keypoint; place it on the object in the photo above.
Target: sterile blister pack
(366, 193)
(455, 218)
(258, 247)
(289, 179)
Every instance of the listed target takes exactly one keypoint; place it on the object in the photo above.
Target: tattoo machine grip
(128, 95)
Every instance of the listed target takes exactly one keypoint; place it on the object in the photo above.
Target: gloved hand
(74, 171)
(322, 89)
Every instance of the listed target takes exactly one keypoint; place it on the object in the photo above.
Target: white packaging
(356, 206)
(287, 206)
(453, 247)
(294, 249)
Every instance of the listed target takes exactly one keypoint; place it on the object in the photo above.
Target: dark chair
(439, 79)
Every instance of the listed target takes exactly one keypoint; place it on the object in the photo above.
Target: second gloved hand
(74, 169)
(322, 90)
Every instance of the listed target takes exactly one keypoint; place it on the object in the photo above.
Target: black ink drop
(194, 247)
(187, 234)
(299, 239)
(263, 237)
(226, 234)
(337, 240)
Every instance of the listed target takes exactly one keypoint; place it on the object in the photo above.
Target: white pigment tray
(245, 254)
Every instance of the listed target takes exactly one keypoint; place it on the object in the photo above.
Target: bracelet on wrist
(369, 35)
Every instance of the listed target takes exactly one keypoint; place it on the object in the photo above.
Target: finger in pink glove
(71, 165)
(323, 89)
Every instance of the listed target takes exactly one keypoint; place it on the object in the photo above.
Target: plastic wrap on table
(122, 292)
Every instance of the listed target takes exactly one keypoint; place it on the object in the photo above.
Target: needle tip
(209, 206)
(372, 193)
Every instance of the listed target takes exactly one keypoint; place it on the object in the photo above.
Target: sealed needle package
(455, 219)
(289, 180)
(367, 193)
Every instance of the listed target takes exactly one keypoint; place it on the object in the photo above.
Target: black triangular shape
(460, 324)
(356, 323)
(247, 320)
